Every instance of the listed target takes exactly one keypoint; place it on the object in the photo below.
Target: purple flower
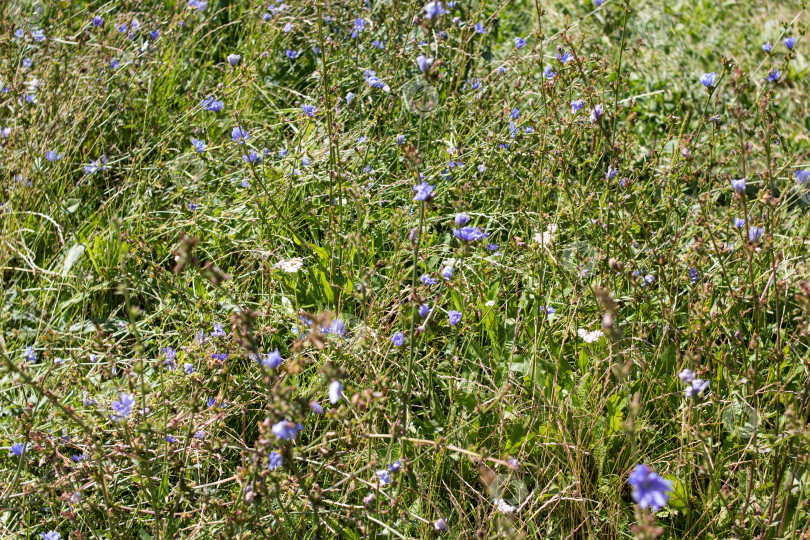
(520, 42)
(739, 223)
(154, 34)
(349, 98)
(200, 434)
(564, 56)
(440, 525)
(272, 360)
(100, 165)
(767, 47)
(398, 339)
(291, 54)
(239, 135)
(773, 75)
(707, 79)
(576, 105)
(433, 10)
(123, 405)
(218, 331)
(695, 387)
(395, 467)
(17, 449)
(98, 21)
(27, 63)
(316, 407)
(802, 177)
(252, 157)
(233, 59)
(480, 28)
(19, 34)
(548, 72)
(188, 368)
(427, 280)
(738, 185)
(447, 273)
(199, 145)
(210, 104)
(274, 460)
(30, 355)
(423, 311)
(686, 375)
(597, 113)
(469, 234)
(755, 233)
(309, 110)
(51, 535)
(193, 206)
(335, 390)
(611, 173)
(423, 191)
(286, 430)
(383, 477)
(462, 219)
(424, 63)
(454, 317)
(790, 42)
(649, 489)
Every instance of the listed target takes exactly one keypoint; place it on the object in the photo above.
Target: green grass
(107, 270)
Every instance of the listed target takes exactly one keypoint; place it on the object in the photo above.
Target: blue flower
(252, 157)
(383, 477)
(424, 311)
(548, 310)
(123, 405)
(693, 275)
(372, 79)
(469, 234)
(309, 110)
(287, 27)
(427, 280)
(239, 135)
(423, 191)
(114, 63)
(424, 63)
(286, 430)
(154, 34)
(233, 59)
(564, 56)
(597, 113)
(274, 460)
(433, 9)
(27, 63)
(17, 449)
(576, 105)
(378, 44)
(767, 47)
(707, 79)
(98, 21)
(199, 145)
(193, 206)
(170, 439)
(447, 273)
(649, 489)
(272, 360)
(335, 390)
(211, 401)
(338, 328)
(440, 525)
(19, 34)
(395, 467)
(198, 4)
(462, 219)
(739, 223)
(398, 339)
(100, 165)
(548, 72)
(520, 42)
(316, 407)
(738, 185)
(695, 387)
(611, 173)
(773, 75)
(218, 331)
(121, 28)
(754, 233)
(802, 177)
(790, 42)
(349, 98)
(51, 535)
(188, 368)
(291, 54)
(480, 28)
(210, 104)
(454, 317)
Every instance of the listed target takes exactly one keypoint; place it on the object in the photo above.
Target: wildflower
(596, 113)
(480, 28)
(469, 234)
(649, 279)
(188, 368)
(252, 157)
(5, 132)
(87, 401)
(239, 135)
(548, 72)
(424, 63)
(193, 206)
(738, 185)
(424, 311)
(309, 110)
(515, 113)
(755, 233)
(453, 317)
(286, 430)
(548, 310)
(427, 280)
(513, 464)
(218, 331)
(482, 168)
(767, 47)
(802, 177)
(447, 273)
(423, 191)
(739, 223)
(611, 173)
(695, 387)
(17, 449)
(123, 405)
(233, 59)
(395, 467)
(338, 327)
(170, 439)
(790, 42)
(19, 34)
(693, 275)
(564, 56)
(199, 434)
(462, 219)
(100, 165)
(383, 477)
(398, 339)
(349, 98)
(30, 355)
(649, 489)
(335, 390)
(51, 535)
(590, 337)
(707, 79)
(27, 63)
(171, 356)
(199, 145)
(773, 75)
(475, 84)
(368, 499)
(274, 460)
(433, 9)
(98, 21)
(121, 28)
(520, 42)
(114, 63)
(290, 266)
(38, 35)
(272, 360)
(378, 44)
(440, 525)
(154, 34)
(210, 104)
(316, 407)
(400, 140)
(287, 28)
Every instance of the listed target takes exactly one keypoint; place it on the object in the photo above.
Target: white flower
(547, 237)
(290, 266)
(491, 303)
(504, 507)
(590, 337)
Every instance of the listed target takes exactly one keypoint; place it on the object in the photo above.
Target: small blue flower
(693, 275)
(51, 535)
(738, 185)
(188, 368)
(395, 467)
(272, 360)
(462, 219)
(423, 191)
(447, 273)
(695, 387)
(453, 317)
(218, 331)
(576, 105)
(480, 28)
(739, 223)
(19, 34)
(316, 407)
(383, 477)
(398, 339)
(170, 439)
(802, 177)
(154, 34)
(309, 110)
(520, 43)
(433, 10)
(17, 449)
(286, 430)
(548, 72)
(50, 155)
(424, 63)
(349, 98)
(274, 460)
(427, 280)
(239, 135)
(210, 104)
(773, 75)
(199, 145)
(30, 355)
(27, 63)
(114, 63)
(649, 489)
(233, 59)
(335, 390)
(252, 157)
(754, 233)
(790, 42)
(98, 21)
(123, 405)
(424, 311)
(767, 47)
(469, 234)
(211, 401)
(707, 79)
(611, 173)
(193, 206)
(596, 113)
(291, 54)
(564, 56)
